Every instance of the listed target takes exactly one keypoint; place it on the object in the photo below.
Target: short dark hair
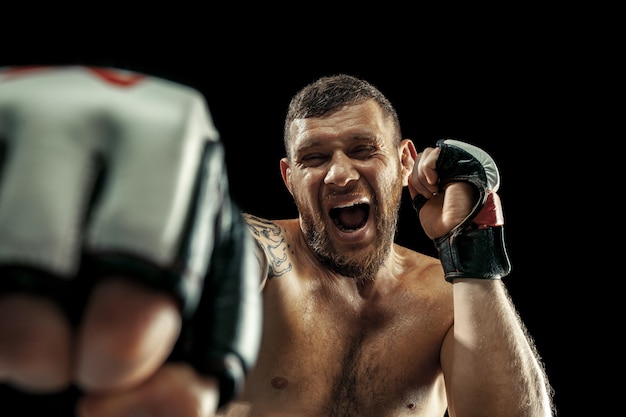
(331, 93)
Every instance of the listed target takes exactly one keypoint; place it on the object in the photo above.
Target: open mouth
(350, 218)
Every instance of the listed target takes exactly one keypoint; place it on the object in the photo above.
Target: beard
(359, 265)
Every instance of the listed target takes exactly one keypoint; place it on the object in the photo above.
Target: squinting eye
(363, 152)
(312, 160)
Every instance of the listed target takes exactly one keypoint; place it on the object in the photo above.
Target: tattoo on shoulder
(271, 239)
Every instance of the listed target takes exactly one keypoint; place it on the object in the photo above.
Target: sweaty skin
(335, 345)
(354, 325)
(358, 326)
(331, 345)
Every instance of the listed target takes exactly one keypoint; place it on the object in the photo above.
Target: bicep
(447, 364)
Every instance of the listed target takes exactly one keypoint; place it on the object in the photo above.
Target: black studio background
(498, 95)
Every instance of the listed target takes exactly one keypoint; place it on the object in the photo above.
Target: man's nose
(341, 171)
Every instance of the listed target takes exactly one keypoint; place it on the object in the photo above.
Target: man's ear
(408, 155)
(285, 172)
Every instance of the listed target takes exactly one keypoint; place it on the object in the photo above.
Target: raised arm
(489, 360)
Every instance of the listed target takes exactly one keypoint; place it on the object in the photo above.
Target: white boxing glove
(111, 172)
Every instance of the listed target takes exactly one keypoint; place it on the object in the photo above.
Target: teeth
(349, 217)
(347, 205)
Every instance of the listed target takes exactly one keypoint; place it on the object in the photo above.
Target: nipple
(279, 382)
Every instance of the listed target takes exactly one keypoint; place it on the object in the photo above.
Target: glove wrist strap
(474, 252)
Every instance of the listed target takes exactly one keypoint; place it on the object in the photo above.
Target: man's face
(346, 179)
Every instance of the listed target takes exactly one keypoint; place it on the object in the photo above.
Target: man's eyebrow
(310, 144)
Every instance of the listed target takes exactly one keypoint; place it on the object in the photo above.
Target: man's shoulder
(414, 254)
(277, 226)
(277, 239)
(418, 263)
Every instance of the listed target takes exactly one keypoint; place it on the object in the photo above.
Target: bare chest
(335, 357)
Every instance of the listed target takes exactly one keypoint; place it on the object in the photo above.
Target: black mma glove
(110, 172)
(475, 248)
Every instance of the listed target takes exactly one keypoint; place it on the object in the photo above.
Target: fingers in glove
(35, 343)
(176, 390)
(127, 332)
(446, 210)
(424, 178)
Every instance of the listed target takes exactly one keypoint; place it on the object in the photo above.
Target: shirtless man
(356, 325)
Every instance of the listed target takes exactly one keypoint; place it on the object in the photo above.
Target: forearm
(490, 363)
